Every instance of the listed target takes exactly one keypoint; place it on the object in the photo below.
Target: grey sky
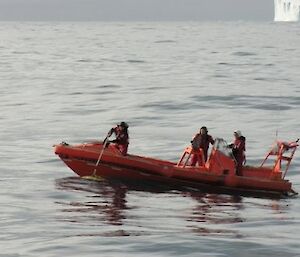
(144, 10)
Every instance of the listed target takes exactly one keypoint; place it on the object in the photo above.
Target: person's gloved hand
(107, 144)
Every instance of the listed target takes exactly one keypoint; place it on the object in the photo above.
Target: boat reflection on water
(102, 197)
(125, 209)
(213, 212)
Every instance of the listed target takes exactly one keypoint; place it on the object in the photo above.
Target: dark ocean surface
(74, 81)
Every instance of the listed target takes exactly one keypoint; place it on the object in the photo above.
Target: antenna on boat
(276, 134)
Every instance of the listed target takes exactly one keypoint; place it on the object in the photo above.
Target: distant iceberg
(287, 10)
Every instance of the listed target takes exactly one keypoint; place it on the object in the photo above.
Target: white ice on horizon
(287, 10)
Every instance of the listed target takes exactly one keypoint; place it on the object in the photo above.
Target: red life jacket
(239, 148)
(202, 141)
(122, 137)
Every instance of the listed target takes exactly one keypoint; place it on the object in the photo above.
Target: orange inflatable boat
(218, 172)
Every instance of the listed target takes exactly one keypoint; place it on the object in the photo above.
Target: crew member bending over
(122, 138)
(238, 151)
(201, 141)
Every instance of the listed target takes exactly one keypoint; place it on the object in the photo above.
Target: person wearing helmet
(201, 141)
(238, 151)
(122, 138)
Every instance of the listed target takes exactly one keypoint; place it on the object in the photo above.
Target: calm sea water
(74, 81)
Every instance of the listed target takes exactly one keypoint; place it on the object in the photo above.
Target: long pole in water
(100, 155)
(94, 176)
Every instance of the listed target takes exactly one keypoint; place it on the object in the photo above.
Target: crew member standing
(201, 141)
(122, 138)
(238, 151)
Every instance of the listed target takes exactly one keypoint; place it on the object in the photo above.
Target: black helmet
(123, 124)
(205, 128)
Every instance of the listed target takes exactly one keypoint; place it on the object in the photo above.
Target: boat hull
(82, 160)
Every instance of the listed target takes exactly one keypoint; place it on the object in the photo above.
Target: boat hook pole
(101, 154)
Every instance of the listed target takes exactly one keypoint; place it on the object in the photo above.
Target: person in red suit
(122, 138)
(201, 141)
(238, 151)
